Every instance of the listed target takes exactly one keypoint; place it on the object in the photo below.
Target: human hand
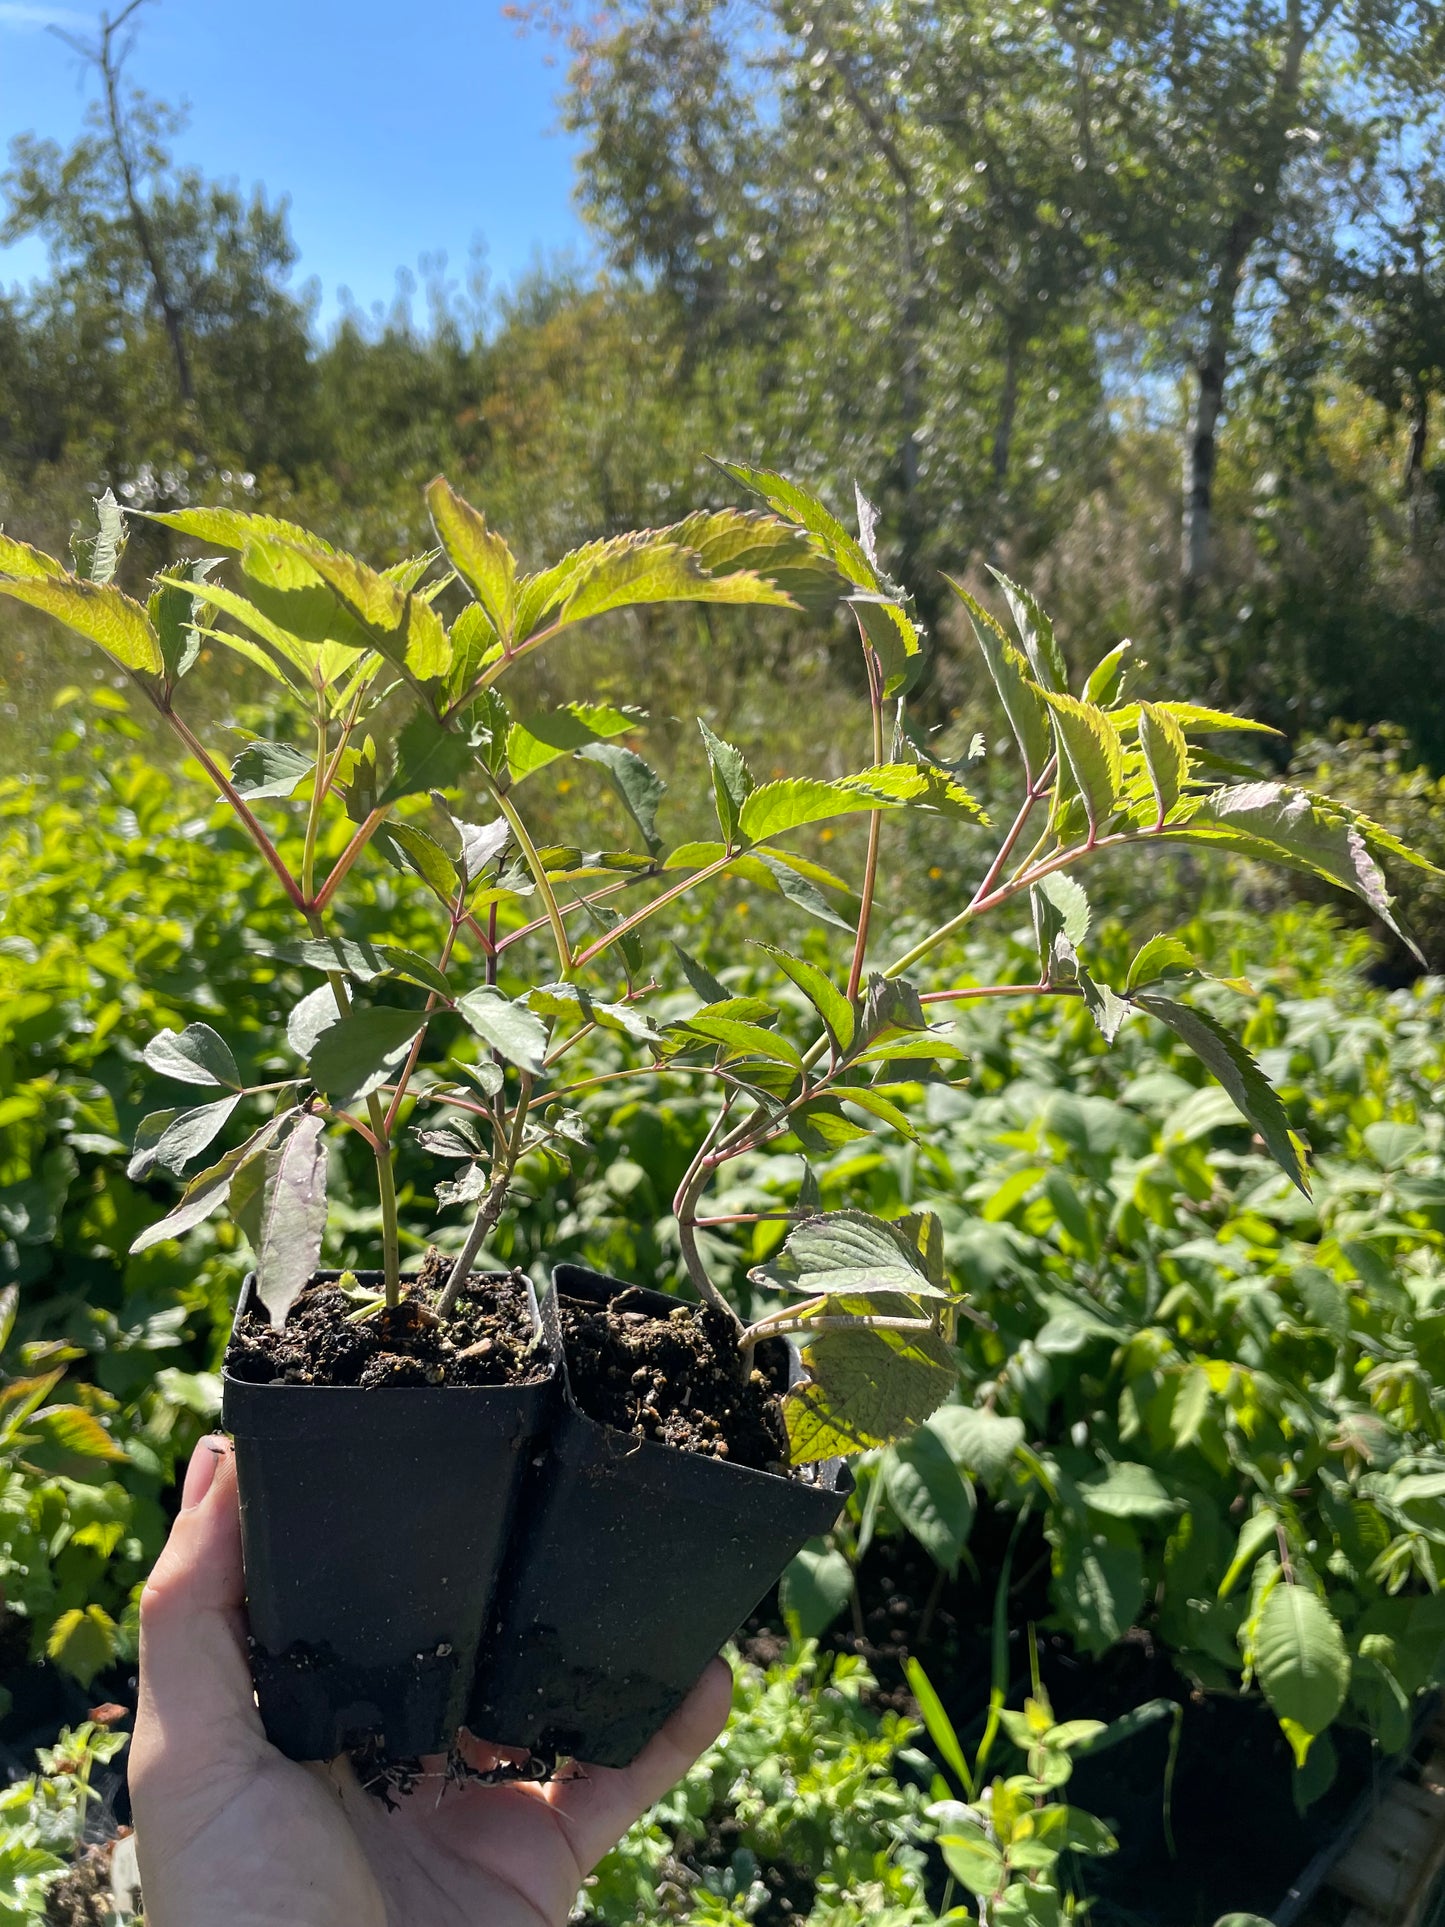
(230, 1833)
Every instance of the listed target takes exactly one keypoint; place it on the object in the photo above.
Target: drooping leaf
(1228, 1060)
(704, 984)
(99, 613)
(174, 612)
(293, 1218)
(640, 787)
(796, 884)
(400, 623)
(930, 1496)
(732, 783)
(1070, 900)
(211, 1187)
(764, 545)
(865, 1387)
(478, 554)
(83, 1642)
(1166, 755)
(195, 1055)
(172, 1138)
(1090, 744)
(1108, 1009)
(110, 537)
(317, 1011)
(1302, 1662)
(360, 1052)
(1261, 1529)
(269, 769)
(510, 1029)
(1036, 633)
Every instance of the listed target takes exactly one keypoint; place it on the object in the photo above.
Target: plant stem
(538, 870)
(313, 814)
(875, 822)
(504, 1160)
(628, 924)
(684, 1204)
(364, 833)
(238, 803)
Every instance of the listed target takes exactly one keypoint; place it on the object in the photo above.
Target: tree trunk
(1250, 223)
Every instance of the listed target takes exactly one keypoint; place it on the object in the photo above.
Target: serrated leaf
(400, 623)
(1227, 1060)
(211, 1187)
(478, 554)
(428, 757)
(510, 1029)
(865, 1387)
(360, 1052)
(640, 787)
(1070, 900)
(1156, 959)
(1036, 632)
(109, 543)
(83, 1642)
(99, 613)
(822, 993)
(32, 565)
(732, 783)
(195, 1055)
(535, 741)
(1020, 695)
(702, 981)
(1106, 679)
(1166, 755)
(1108, 1010)
(1090, 744)
(796, 505)
(293, 1218)
(1301, 1661)
(269, 769)
(172, 1138)
(867, 1097)
(847, 1253)
(737, 1038)
(764, 545)
(1196, 720)
(797, 886)
(557, 1000)
(317, 1011)
(174, 612)
(421, 855)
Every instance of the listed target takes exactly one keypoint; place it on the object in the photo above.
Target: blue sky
(397, 130)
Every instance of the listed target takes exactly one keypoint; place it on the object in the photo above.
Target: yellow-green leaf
(478, 554)
(99, 613)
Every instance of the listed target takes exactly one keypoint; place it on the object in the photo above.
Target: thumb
(196, 1698)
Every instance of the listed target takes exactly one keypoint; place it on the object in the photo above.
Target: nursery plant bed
(378, 1483)
(641, 1556)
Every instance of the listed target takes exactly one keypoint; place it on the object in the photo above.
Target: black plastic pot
(637, 1562)
(374, 1525)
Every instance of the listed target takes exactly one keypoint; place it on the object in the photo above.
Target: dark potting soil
(489, 1339)
(679, 1380)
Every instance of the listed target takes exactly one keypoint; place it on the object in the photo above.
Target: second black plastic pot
(633, 1564)
(374, 1525)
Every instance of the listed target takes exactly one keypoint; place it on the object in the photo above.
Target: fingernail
(201, 1472)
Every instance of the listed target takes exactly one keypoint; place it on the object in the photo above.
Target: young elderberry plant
(544, 944)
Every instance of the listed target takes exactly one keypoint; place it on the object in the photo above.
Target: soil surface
(679, 1380)
(489, 1340)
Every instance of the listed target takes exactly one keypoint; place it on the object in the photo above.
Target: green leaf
(731, 783)
(1128, 1491)
(109, 544)
(1091, 746)
(930, 1496)
(423, 856)
(83, 1642)
(33, 565)
(640, 787)
(1036, 633)
(99, 613)
(822, 993)
(1098, 1583)
(814, 1589)
(1069, 899)
(795, 883)
(1227, 1059)
(175, 611)
(1195, 720)
(1106, 679)
(362, 1051)
(972, 1858)
(478, 554)
(558, 1000)
(293, 1218)
(703, 983)
(1273, 823)
(796, 505)
(1166, 755)
(401, 624)
(317, 1011)
(1156, 959)
(535, 741)
(865, 1387)
(940, 1727)
(1302, 1662)
(428, 757)
(738, 1038)
(510, 1029)
(1022, 699)
(231, 528)
(211, 1187)
(1108, 1010)
(195, 1055)
(847, 1253)
(981, 1441)
(269, 769)
(1261, 1529)
(172, 1138)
